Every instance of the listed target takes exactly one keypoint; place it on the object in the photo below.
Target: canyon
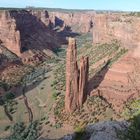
(80, 67)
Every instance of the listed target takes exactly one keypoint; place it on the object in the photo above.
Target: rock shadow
(58, 22)
(96, 80)
(33, 32)
(67, 30)
(37, 35)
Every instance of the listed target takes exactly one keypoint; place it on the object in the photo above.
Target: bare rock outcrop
(107, 130)
(119, 27)
(9, 35)
(28, 34)
(74, 20)
(76, 79)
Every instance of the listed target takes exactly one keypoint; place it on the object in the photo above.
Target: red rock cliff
(80, 22)
(9, 35)
(23, 31)
(116, 26)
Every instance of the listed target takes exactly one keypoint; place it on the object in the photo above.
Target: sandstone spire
(83, 80)
(71, 76)
(76, 80)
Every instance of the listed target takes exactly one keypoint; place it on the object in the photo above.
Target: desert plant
(133, 131)
(55, 94)
(22, 132)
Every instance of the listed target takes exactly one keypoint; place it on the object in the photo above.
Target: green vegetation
(59, 76)
(4, 86)
(131, 109)
(22, 132)
(55, 94)
(132, 114)
(9, 104)
(60, 106)
(133, 130)
(80, 132)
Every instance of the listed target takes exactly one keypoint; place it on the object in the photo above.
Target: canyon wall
(33, 31)
(80, 22)
(28, 34)
(123, 28)
(9, 35)
(23, 30)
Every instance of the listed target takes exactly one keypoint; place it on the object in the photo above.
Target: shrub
(22, 132)
(7, 128)
(133, 131)
(55, 94)
(80, 132)
(8, 96)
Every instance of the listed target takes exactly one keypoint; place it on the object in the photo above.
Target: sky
(122, 5)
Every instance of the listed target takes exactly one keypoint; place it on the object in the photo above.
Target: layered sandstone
(80, 22)
(34, 33)
(9, 35)
(76, 79)
(120, 82)
(28, 34)
(109, 27)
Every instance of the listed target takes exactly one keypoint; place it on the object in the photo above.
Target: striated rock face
(80, 22)
(22, 30)
(76, 79)
(28, 34)
(108, 27)
(34, 33)
(9, 35)
(100, 29)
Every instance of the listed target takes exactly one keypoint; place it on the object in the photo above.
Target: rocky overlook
(9, 35)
